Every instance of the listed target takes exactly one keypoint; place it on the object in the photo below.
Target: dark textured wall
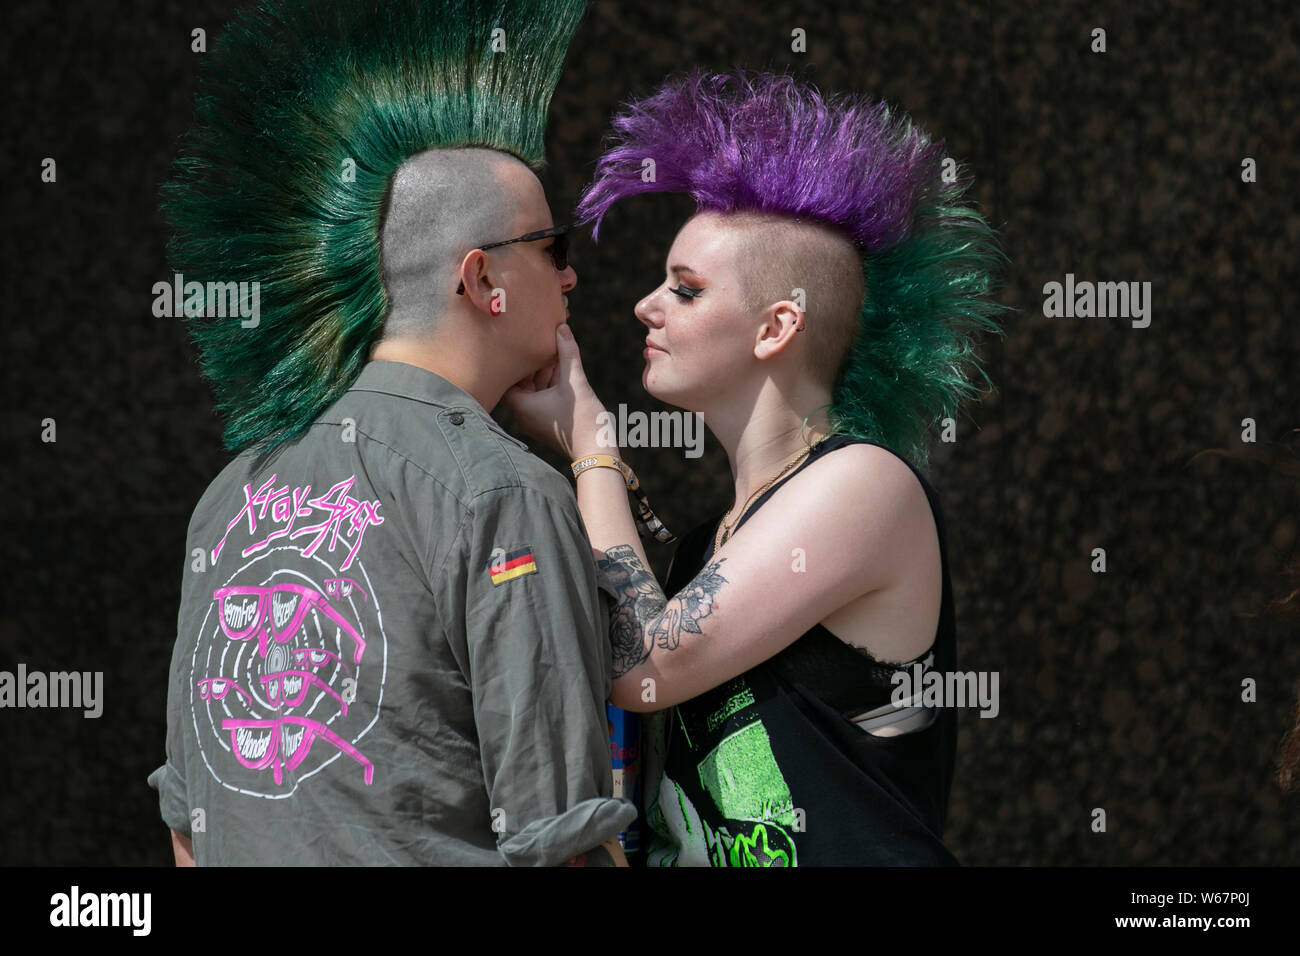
(1119, 690)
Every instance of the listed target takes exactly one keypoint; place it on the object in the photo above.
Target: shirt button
(456, 418)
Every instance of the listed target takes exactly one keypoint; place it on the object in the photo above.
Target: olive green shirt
(391, 648)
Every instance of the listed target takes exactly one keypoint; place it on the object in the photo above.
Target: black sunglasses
(559, 250)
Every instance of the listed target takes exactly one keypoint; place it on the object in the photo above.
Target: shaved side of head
(774, 255)
(441, 204)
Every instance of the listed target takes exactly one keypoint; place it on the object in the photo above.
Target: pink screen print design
(290, 657)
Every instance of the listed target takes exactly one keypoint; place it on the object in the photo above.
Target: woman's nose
(568, 278)
(645, 310)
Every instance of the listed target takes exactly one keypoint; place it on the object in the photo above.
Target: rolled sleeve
(539, 663)
(169, 779)
(172, 802)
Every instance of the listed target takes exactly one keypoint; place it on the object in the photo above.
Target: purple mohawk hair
(764, 142)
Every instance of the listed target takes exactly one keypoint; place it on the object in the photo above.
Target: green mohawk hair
(304, 112)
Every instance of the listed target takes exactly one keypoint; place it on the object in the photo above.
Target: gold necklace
(720, 538)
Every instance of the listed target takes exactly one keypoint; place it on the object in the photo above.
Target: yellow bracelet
(606, 461)
(648, 525)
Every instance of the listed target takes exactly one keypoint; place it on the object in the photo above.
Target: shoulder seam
(404, 457)
(555, 499)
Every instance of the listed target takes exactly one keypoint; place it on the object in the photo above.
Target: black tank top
(769, 769)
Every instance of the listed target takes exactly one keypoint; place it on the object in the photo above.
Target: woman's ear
(782, 321)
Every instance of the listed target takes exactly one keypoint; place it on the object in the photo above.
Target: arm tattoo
(643, 611)
(640, 600)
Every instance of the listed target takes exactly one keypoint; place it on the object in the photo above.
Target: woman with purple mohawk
(818, 310)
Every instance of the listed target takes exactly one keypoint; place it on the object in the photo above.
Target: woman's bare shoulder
(858, 475)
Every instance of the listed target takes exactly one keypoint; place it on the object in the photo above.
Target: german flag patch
(514, 565)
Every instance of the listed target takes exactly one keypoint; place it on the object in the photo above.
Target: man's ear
(478, 285)
(781, 322)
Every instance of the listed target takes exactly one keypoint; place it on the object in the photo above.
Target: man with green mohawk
(390, 647)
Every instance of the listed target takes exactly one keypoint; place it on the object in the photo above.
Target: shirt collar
(421, 385)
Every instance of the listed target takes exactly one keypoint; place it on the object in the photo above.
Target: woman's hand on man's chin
(557, 407)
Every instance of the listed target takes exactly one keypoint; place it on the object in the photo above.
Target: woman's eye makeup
(686, 292)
